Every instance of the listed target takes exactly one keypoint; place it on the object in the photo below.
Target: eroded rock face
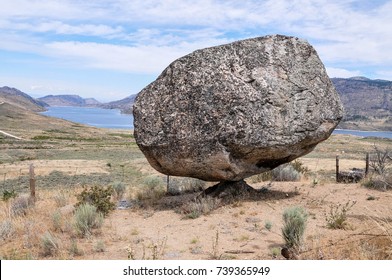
(228, 112)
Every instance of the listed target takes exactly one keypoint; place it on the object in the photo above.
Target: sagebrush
(87, 218)
(295, 220)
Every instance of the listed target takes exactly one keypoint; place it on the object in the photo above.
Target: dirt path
(10, 135)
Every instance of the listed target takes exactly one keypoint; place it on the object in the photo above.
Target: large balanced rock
(228, 112)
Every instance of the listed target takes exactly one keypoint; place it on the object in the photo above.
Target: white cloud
(342, 73)
(148, 59)
(144, 36)
(58, 27)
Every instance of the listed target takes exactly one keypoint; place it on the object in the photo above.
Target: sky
(110, 49)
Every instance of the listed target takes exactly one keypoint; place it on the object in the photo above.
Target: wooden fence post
(367, 165)
(32, 183)
(337, 169)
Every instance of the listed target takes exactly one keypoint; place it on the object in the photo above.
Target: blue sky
(110, 49)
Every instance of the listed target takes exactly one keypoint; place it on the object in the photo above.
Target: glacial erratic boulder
(228, 112)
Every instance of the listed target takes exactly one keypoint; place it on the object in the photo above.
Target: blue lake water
(97, 117)
(380, 134)
(106, 118)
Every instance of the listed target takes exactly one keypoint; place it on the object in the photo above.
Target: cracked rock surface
(228, 112)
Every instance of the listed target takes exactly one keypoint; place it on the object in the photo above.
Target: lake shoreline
(115, 119)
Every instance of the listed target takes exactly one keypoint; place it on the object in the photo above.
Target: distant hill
(69, 100)
(367, 103)
(27, 124)
(20, 99)
(125, 105)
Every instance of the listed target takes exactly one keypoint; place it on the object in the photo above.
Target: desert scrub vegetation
(8, 194)
(336, 218)
(49, 244)
(294, 225)
(286, 173)
(199, 206)
(87, 218)
(119, 189)
(20, 205)
(57, 220)
(289, 172)
(378, 182)
(6, 229)
(181, 185)
(150, 190)
(154, 250)
(380, 161)
(61, 198)
(98, 197)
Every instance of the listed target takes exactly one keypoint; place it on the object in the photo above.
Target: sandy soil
(233, 231)
(237, 231)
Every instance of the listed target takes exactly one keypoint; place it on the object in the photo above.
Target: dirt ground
(242, 229)
(45, 167)
(238, 231)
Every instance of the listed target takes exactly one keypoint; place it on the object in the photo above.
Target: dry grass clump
(20, 205)
(378, 182)
(337, 216)
(57, 220)
(200, 206)
(152, 250)
(61, 198)
(181, 185)
(118, 190)
(49, 244)
(150, 191)
(377, 247)
(6, 229)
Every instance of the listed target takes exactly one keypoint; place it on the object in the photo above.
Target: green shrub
(295, 219)
(299, 166)
(7, 195)
(98, 197)
(87, 218)
(286, 173)
(337, 217)
(268, 225)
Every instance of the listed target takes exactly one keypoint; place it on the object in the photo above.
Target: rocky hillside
(125, 105)
(367, 103)
(69, 100)
(20, 99)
